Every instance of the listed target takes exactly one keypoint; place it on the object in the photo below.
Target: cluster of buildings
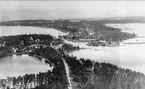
(82, 33)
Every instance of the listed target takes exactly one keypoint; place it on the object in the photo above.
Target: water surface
(19, 30)
(20, 65)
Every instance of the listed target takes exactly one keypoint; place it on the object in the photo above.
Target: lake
(129, 55)
(15, 30)
(20, 65)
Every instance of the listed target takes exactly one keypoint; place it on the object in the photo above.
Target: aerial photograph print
(72, 44)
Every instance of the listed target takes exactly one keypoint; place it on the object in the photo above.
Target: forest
(25, 40)
(94, 75)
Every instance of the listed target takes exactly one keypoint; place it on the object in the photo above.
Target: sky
(14, 10)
